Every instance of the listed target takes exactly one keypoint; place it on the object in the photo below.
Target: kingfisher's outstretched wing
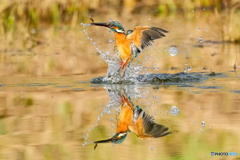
(144, 36)
(145, 127)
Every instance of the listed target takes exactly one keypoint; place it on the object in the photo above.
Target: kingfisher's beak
(102, 141)
(101, 24)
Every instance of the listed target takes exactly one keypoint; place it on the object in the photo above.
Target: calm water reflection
(41, 120)
(131, 118)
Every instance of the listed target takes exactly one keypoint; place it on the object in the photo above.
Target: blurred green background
(45, 38)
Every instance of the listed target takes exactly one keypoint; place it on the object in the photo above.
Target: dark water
(165, 78)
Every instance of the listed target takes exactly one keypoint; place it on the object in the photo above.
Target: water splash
(110, 41)
(175, 111)
(165, 78)
(187, 69)
(114, 67)
(203, 123)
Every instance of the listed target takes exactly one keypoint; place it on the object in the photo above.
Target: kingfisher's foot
(123, 67)
(121, 64)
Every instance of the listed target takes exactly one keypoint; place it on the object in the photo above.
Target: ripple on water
(236, 91)
(165, 78)
(77, 89)
(63, 86)
(36, 84)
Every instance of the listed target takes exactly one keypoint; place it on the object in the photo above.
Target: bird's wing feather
(144, 36)
(145, 127)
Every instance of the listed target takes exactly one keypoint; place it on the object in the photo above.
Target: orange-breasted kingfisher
(134, 119)
(133, 42)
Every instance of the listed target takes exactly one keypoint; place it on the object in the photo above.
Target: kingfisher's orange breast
(125, 118)
(123, 46)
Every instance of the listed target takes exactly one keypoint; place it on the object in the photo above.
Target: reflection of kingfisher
(131, 44)
(137, 121)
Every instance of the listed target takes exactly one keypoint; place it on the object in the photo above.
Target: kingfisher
(131, 43)
(134, 119)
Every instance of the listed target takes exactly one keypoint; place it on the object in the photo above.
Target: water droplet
(189, 68)
(173, 51)
(204, 9)
(111, 119)
(200, 39)
(209, 127)
(192, 10)
(152, 147)
(149, 18)
(112, 125)
(175, 111)
(197, 16)
(197, 57)
(185, 63)
(207, 30)
(201, 130)
(203, 123)
(198, 107)
(199, 29)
